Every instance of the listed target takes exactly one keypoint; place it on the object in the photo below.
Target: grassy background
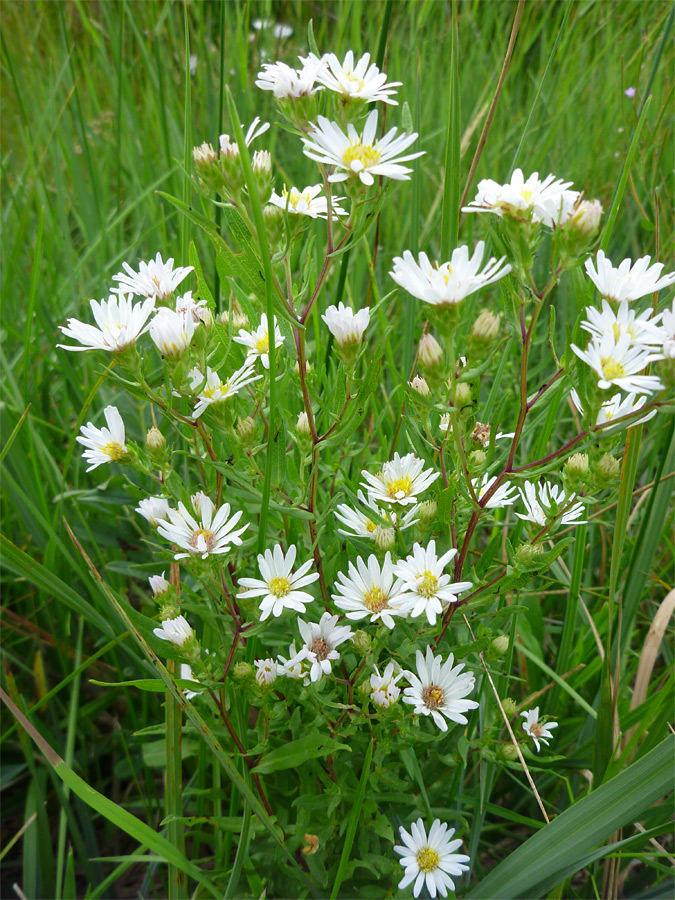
(94, 102)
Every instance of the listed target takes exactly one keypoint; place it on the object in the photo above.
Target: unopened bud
(500, 644)
(274, 223)
(586, 217)
(427, 511)
(607, 469)
(196, 500)
(461, 396)
(167, 605)
(364, 689)
(420, 385)
(477, 459)
(385, 538)
(575, 472)
(207, 167)
(246, 431)
(430, 353)
(262, 172)
(155, 440)
(525, 554)
(159, 586)
(509, 752)
(308, 368)
(204, 156)
(510, 707)
(486, 327)
(361, 641)
(243, 671)
(302, 425)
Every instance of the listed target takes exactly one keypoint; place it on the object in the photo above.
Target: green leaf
(295, 753)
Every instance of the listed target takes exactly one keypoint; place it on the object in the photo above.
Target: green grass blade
(353, 822)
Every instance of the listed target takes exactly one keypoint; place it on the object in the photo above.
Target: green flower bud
(429, 353)
(525, 555)
(575, 473)
(477, 459)
(462, 395)
(420, 385)
(509, 705)
(508, 751)
(607, 470)
(500, 644)
(364, 689)
(486, 327)
(427, 511)
(246, 431)
(361, 641)
(243, 671)
(385, 538)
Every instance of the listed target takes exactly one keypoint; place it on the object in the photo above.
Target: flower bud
(364, 689)
(500, 644)
(159, 585)
(486, 327)
(246, 431)
(420, 385)
(509, 752)
(427, 511)
(578, 232)
(155, 444)
(607, 470)
(385, 538)
(509, 705)
(429, 353)
(477, 459)
(461, 397)
(302, 425)
(273, 217)
(206, 165)
(361, 641)
(243, 671)
(575, 473)
(262, 172)
(586, 218)
(167, 605)
(525, 554)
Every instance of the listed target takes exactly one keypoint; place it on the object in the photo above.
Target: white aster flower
(231, 148)
(186, 674)
(360, 156)
(641, 329)
(197, 309)
(296, 666)
(537, 730)
(668, 332)
(346, 326)
(103, 445)
(307, 202)
(171, 332)
(370, 591)
(544, 502)
(614, 409)
(505, 495)
(383, 689)
(267, 672)
(279, 586)
(212, 535)
(361, 524)
(258, 341)
(154, 509)
(629, 281)
(438, 690)
(426, 588)
(354, 81)
(155, 279)
(288, 83)
(431, 859)
(159, 584)
(120, 324)
(547, 201)
(400, 480)
(177, 630)
(619, 364)
(321, 641)
(212, 390)
(449, 283)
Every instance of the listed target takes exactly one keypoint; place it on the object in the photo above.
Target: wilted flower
(120, 324)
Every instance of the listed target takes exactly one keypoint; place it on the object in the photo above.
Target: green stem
(174, 787)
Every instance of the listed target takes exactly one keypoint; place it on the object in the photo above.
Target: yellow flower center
(320, 648)
(370, 526)
(355, 82)
(447, 275)
(526, 194)
(210, 392)
(262, 345)
(433, 696)
(367, 154)
(375, 599)
(398, 485)
(426, 584)
(280, 586)
(427, 859)
(611, 369)
(202, 532)
(114, 450)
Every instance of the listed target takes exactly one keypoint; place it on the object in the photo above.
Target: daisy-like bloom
(449, 283)
(267, 671)
(159, 584)
(155, 279)
(629, 281)
(258, 341)
(431, 859)
(288, 83)
(177, 630)
(120, 324)
(537, 730)
(542, 201)
(279, 587)
(360, 156)
(186, 674)
(400, 481)
(296, 666)
(641, 329)
(361, 525)
(544, 501)
(667, 332)
(321, 641)
(619, 364)
(352, 81)
(213, 390)
(438, 690)
(103, 445)
(505, 495)
(171, 332)
(197, 309)
(370, 591)
(154, 509)
(307, 202)
(426, 589)
(346, 326)
(231, 149)
(383, 689)
(615, 408)
(213, 535)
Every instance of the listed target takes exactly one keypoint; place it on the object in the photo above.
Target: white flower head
(548, 201)
(119, 322)
(279, 587)
(667, 332)
(156, 279)
(346, 326)
(363, 156)
(212, 535)
(629, 281)
(369, 591)
(354, 81)
(171, 331)
(426, 588)
(365, 522)
(177, 630)
(266, 672)
(158, 584)
(280, 30)
(321, 642)
(642, 330)
(537, 730)
(287, 83)
(154, 509)
(620, 364)
(103, 445)
(505, 495)
(400, 481)
(186, 674)
(258, 341)
(544, 502)
(307, 202)
(449, 283)
(438, 689)
(430, 859)
(212, 390)
(197, 309)
(230, 149)
(383, 689)
(616, 408)
(296, 666)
